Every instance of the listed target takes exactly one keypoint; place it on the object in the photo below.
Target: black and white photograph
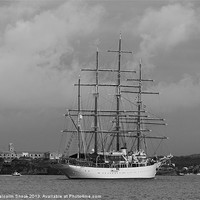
(100, 99)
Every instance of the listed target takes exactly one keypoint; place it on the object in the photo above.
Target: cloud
(164, 29)
(181, 95)
(37, 62)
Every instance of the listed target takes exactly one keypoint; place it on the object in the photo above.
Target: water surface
(59, 187)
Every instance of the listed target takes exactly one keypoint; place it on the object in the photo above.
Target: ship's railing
(86, 163)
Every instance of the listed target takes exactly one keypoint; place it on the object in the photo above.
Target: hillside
(186, 161)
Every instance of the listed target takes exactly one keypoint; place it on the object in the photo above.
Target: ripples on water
(163, 187)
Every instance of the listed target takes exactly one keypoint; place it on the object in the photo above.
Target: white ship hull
(81, 172)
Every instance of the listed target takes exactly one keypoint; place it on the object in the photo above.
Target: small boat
(16, 174)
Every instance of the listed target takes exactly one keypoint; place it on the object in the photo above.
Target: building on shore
(12, 154)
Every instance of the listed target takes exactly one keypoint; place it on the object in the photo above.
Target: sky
(45, 43)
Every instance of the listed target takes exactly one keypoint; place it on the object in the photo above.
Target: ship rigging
(126, 124)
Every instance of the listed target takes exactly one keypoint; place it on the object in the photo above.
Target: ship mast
(118, 92)
(96, 94)
(121, 116)
(79, 116)
(106, 113)
(141, 119)
(139, 105)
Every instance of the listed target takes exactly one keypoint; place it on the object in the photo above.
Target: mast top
(140, 61)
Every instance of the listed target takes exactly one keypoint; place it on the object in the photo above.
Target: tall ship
(109, 138)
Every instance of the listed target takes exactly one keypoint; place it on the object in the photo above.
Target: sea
(59, 187)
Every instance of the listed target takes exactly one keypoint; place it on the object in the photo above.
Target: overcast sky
(44, 43)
